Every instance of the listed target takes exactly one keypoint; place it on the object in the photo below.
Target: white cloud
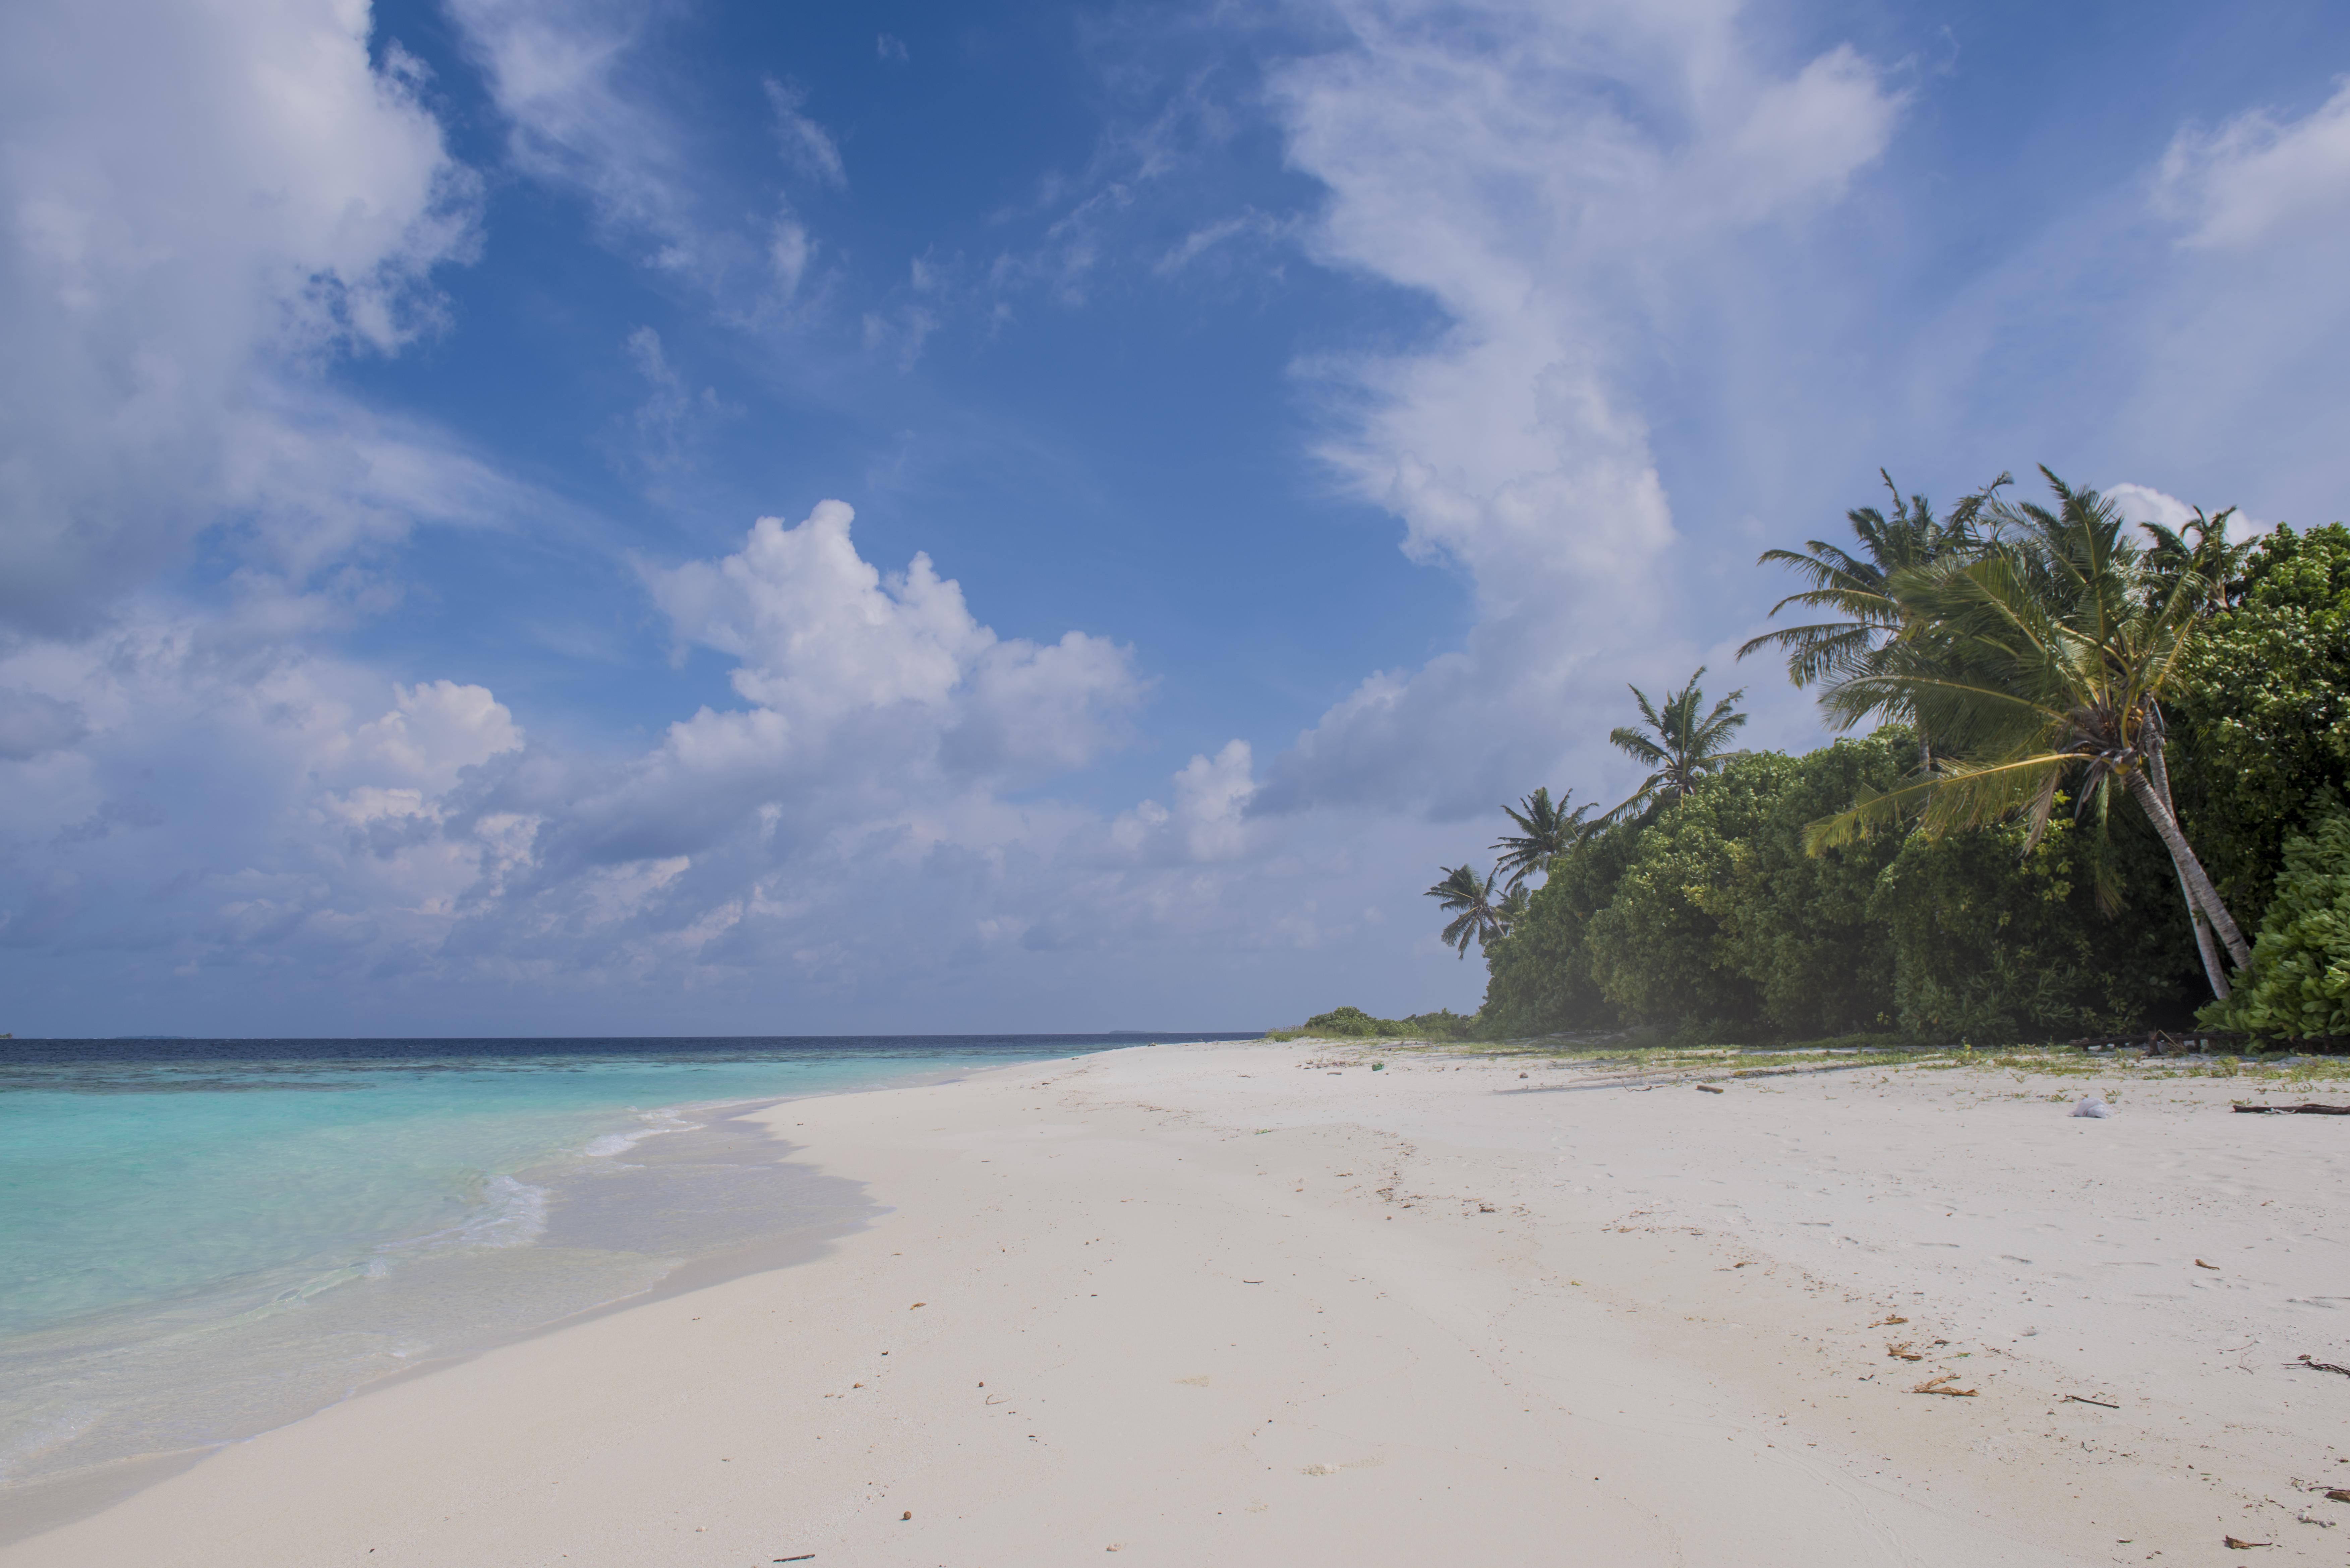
(197, 802)
(805, 145)
(830, 648)
(585, 113)
(2257, 180)
(431, 734)
(1548, 175)
(200, 205)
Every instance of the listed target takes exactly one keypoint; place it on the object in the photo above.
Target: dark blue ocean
(203, 1239)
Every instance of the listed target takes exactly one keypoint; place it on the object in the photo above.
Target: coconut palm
(1857, 585)
(1681, 747)
(2041, 664)
(1478, 919)
(1853, 585)
(1545, 832)
(2200, 551)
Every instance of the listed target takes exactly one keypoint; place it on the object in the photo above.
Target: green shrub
(1720, 922)
(1354, 1024)
(1538, 976)
(1994, 946)
(1659, 950)
(2261, 737)
(2298, 983)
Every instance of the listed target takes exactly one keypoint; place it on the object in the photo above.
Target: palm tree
(2200, 550)
(2039, 663)
(1545, 832)
(1855, 586)
(1681, 747)
(1478, 919)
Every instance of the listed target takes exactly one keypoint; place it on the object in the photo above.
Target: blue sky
(1273, 435)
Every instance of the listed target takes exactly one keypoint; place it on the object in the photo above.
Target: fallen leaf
(2335, 1494)
(2232, 1545)
(2201, 1265)
(1941, 1386)
(1889, 1322)
(1902, 1352)
(918, 1303)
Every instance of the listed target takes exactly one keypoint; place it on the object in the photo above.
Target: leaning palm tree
(1479, 919)
(1853, 585)
(1545, 832)
(1681, 747)
(2041, 663)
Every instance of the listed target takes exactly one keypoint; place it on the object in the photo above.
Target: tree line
(2089, 778)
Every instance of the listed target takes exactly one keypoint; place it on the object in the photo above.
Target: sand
(1256, 1303)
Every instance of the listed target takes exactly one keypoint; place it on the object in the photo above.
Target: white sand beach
(1257, 1303)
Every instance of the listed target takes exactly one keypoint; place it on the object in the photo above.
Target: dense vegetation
(2086, 760)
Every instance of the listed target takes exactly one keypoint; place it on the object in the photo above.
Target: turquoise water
(203, 1239)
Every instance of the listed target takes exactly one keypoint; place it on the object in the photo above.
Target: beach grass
(1628, 1056)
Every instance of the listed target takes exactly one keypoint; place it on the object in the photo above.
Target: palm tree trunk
(2213, 970)
(2190, 870)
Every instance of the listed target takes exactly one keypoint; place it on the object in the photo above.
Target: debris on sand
(1941, 1385)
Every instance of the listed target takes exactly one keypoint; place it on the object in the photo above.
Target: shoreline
(1535, 1326)
(46, 1501)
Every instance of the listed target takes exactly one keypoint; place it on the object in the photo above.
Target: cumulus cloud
(262, 809)
(233, 196)
(1544, 174)
(828, 648)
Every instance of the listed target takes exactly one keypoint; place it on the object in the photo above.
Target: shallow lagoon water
(201, 1240)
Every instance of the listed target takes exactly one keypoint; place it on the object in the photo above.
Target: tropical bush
(2093, 749)
(2264, 727)
(2298, 983)
(1995, 939)
(1354, 1024)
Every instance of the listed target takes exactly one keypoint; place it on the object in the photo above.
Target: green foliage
(2263, 729)
(1994, 942)
(1802, 926)
(2298, 983)
(1538, 974)
(1354, 1024)
(1659, 950)
(1545, 832)
(2022, 880)
(1476, 917)
(1712, 919)
(1681, 747)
